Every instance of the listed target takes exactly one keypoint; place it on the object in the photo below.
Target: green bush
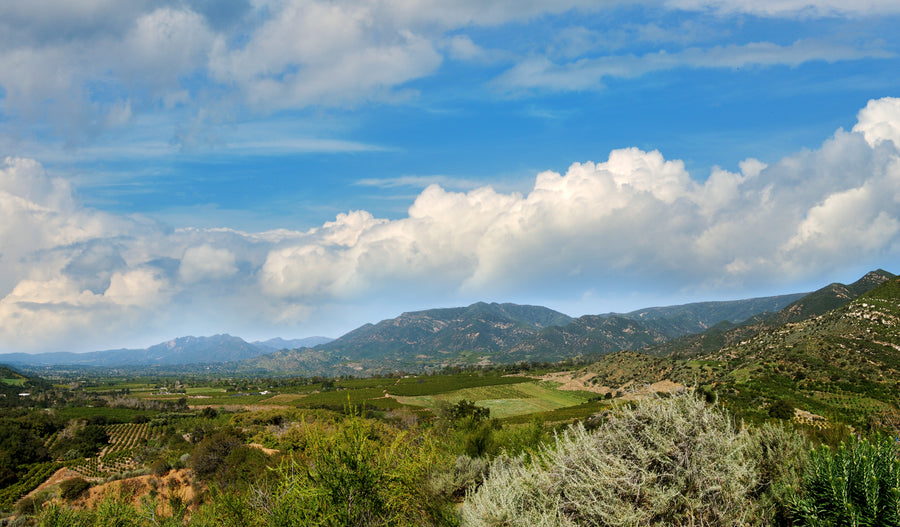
(779, 455)
(73, 488)
(356, 472)
(160, 467)
(84, 442)
(32, 504)
(856, 484)
(209, 456)
(674, 461)
(781, 409)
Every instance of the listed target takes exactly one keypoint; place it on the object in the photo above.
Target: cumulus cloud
(636, 216)
(880, 121)
(205, 263)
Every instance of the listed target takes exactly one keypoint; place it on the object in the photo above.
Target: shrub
(453, 482)
(779, 455)
(210, 454)
(73, 488)
(357, 473)
(57, 515)
(674, 461)
(781, 409)
(160, 467)
(82, 441)
(32, 504)
(856, 484)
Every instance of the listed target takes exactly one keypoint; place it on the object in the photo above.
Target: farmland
(158, 421)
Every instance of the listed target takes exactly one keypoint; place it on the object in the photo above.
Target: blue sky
(299, 167)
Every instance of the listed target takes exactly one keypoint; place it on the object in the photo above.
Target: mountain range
(482, 333)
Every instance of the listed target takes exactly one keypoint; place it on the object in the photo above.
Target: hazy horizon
(300, 167)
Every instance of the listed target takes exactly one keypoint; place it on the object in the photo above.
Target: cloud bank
(71, 275)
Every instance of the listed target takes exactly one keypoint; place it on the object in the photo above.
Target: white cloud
(584, 73)
(634, 214)
(85, 67)
(205, 263)
(70, 271)
(791, 8)
(880, 121)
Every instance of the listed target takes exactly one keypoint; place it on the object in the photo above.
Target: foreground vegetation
(470, 448)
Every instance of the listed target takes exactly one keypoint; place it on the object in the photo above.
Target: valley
(173, 440)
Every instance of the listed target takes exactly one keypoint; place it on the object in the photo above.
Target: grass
(561, 415)
(14, 382)
(438, 384)
(205, 390)
(112, 414)
(505, 400)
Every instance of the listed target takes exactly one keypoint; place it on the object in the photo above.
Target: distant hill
(481, 333)
(183, 350)
(675, 321)
(478, 328)
(600, 334)
(279, 343)
(587, 335)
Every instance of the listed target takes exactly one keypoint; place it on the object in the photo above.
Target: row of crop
(127, 435)
(118, 455)
(88, 467)
(37, 474)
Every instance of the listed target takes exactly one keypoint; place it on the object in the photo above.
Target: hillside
(813, 304)
(479, 334)
(413, 337)
(843, 365)
(587, 335)
(508, 333)
(675, 321)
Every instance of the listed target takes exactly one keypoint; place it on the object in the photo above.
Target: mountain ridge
(480, 333)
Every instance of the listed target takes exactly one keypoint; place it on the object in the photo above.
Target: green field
(14, 382)
(505, 400)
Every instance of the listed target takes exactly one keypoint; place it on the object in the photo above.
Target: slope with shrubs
(842, 366)
(828, 298)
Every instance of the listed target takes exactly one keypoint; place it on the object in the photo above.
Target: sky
(301, 167)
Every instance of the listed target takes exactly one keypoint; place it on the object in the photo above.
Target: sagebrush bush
(779, 455)
(674, 461)
(856, 484)
(453, 482)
